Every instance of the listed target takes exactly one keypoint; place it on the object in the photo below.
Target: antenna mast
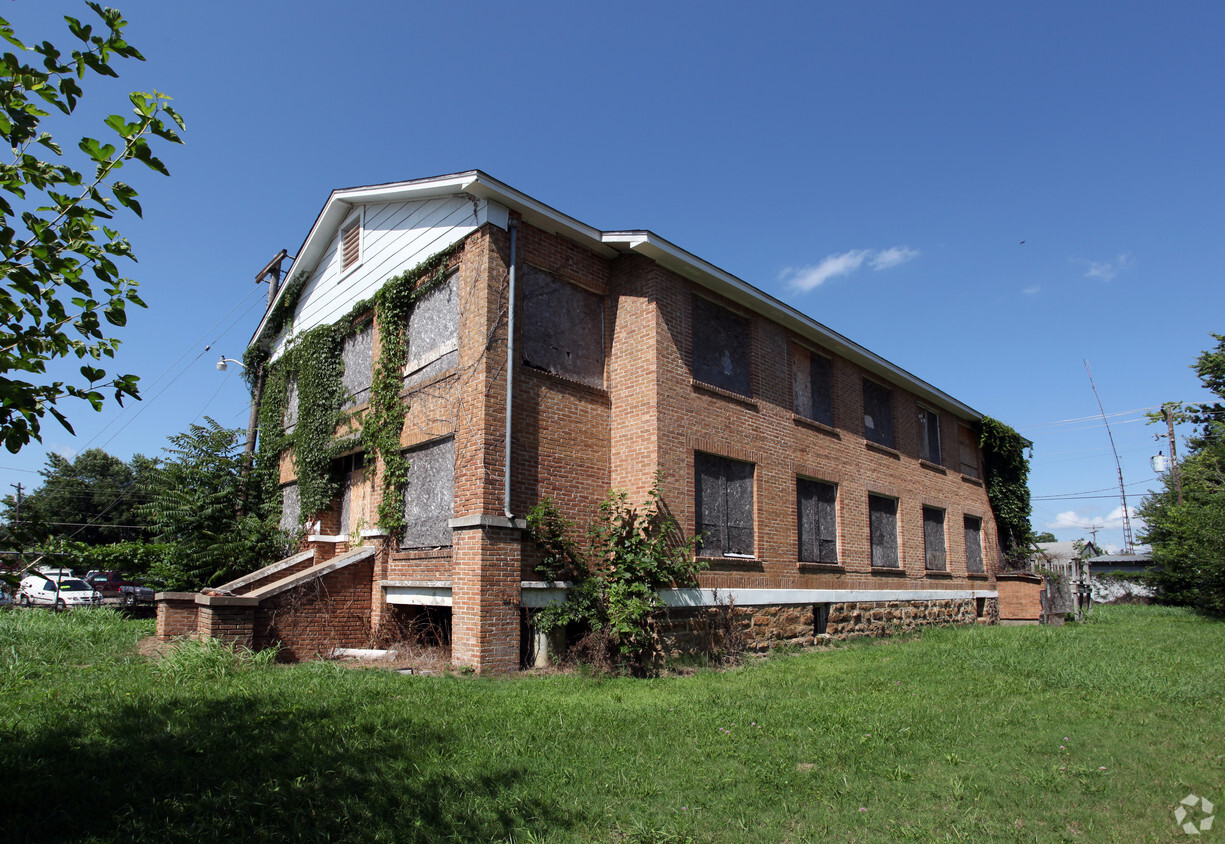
(1127, 544)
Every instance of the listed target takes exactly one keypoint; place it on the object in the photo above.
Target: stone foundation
(687, 631)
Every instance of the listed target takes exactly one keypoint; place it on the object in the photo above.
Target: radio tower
(1117, 464)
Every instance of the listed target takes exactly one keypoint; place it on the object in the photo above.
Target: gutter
(510, 369)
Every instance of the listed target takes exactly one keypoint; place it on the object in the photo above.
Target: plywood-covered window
(974, 544)
(429, 495)
(291, 508)
(291, 404)
(723, 501)
(817, 510)
(351, 471)
(562, 330)
(882, 527)
(933, 539)
(351, 243)
(433, 333)
(877, 413)
(357, 355)
(929, 435)
(812, 389)
(967, 446)
(721, 346)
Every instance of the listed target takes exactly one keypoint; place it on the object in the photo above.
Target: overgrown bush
(629, 555)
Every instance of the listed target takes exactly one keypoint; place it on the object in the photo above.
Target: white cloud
(1069, 519)
(1075, 520)
(1107, 270)
(845, 263)
(1030, 291)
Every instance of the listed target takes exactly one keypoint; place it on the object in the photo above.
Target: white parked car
(61, 593)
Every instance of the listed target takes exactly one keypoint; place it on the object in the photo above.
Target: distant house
(834, 492)
(1136, 563)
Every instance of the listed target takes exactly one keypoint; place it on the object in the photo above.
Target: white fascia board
(778, 597)
(708, 275)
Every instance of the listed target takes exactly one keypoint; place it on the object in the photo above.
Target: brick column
(176, 614)
(485, 598)
(228, 619)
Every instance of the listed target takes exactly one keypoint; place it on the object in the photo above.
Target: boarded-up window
(818, 521)
(933, 539)
(877, 413)
(291, 405)
(351, 244)
(974, 544)
(723, 501)
(429, 495)
(351, 470)
(720, 347)
(929, 435)
(882, 517)
(562, 330)
(291, 508)
(812, 385)
(967, 445)
(357, 356)
(433, 333)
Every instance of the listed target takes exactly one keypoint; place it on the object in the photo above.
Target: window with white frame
(929, 435)
(723, 502)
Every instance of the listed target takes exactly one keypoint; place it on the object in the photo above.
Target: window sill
(888, 572)
(732, 563)
(746, 401)
(812, 424)
(882, 449)
(546, 375)
(971, 480)
(428, 382)
(939, 573)
(978, 575)
(821, 568)
(933, 467)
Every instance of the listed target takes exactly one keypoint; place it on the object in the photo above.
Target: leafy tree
(1188, 539)
(91, 499)
(193, 505)
(59, 280)
(1045, 536)
(630, 555)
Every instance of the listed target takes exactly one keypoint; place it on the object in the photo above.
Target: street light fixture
(221, 364)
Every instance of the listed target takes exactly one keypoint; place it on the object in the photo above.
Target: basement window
(877, 413)
(882, 524)
(721, 342)
(816, 505)
(562, 330)
(429, 495)
(929, 435)
(820, 619)
(351, 243)
(974, 544)
(723, 502)
(812, 385)
(357, 355)
(933, 539)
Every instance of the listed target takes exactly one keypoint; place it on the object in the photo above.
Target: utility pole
(17, 512)
(1169, 422)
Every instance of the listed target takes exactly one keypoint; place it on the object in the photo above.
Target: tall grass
(1088, 732)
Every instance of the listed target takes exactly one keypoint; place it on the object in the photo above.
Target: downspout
(510, 370)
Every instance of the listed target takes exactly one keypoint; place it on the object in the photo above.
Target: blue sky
(877, 165)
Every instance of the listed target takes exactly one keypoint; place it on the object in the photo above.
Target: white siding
(396, 236)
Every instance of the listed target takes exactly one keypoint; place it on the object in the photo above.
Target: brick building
(835, 493)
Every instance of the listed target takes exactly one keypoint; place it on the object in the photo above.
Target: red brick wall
(485, 597)
(176, 617)
(310, 620)
(227, 623)
(1020, 598)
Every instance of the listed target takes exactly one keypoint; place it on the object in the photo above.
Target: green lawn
(1088, 732)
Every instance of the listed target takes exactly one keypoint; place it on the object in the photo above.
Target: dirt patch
(423, 659)
(150, 647)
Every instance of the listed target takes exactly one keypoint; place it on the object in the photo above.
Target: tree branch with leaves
(59, 276)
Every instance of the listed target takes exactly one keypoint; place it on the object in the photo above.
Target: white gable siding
(396, 236)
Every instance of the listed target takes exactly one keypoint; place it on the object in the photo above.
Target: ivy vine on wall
(1006, 474)
(313, 364)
